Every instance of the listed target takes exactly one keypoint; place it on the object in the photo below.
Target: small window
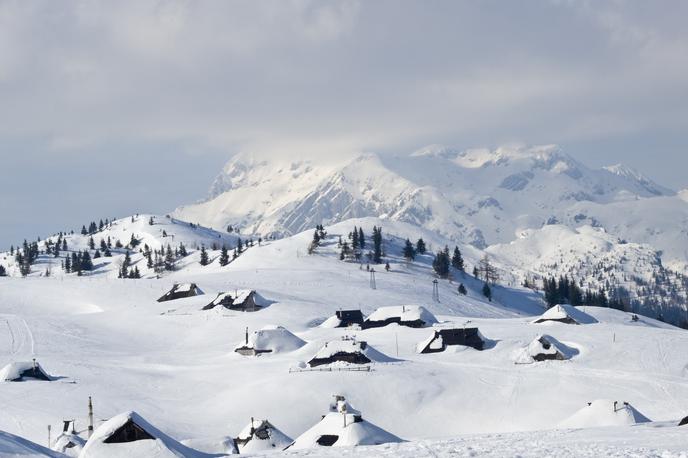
(327, 440)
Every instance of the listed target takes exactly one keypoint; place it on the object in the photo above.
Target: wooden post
(90, 417)
(49, 428)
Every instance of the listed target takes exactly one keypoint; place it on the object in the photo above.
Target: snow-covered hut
(129, 435)
(261, 436)
(443, 338)
(414, 316)
(69, 443)
(270, 339)
(603, 412)
(343, 426)
(181, 290)
(23, 370)
(347, 351)
(246, 300)
(564, 313)
(544, 348)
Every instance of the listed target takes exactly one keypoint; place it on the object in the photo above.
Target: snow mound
(129, 435)
(261, 436)
(272, 339)
(20, 371)
(603, 412)
(348, 351)
(343, 427)
(15, 446)
(542, 348)
(407, 315)
(565, 313)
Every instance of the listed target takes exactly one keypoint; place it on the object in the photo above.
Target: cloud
(290, 76)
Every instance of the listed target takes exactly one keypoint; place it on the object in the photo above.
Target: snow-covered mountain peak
(634, 175)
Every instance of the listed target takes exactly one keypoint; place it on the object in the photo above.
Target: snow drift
(270, 339)
(15, 446)
(603, 412)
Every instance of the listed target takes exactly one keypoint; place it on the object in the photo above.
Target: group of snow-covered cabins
(130, 434)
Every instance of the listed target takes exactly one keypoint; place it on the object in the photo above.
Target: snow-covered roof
(343, 429)
(160, 446)
(260, 436)
(604, 412)
(351, 346)
(544, 345)
(565, 311)
(404, 312)
(273, 338)
(184, 287)
(11, 445)
(13, 371)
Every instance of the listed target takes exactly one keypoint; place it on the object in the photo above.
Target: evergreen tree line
(566, 291)
(443, 261)
(354, 251)
(93, 227)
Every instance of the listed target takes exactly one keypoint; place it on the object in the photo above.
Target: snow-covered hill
(107, 338)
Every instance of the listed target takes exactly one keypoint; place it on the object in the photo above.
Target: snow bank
(274, 339)
(15, 446)
(343, 427)
(544, 347)
(159, 446)
(603, 412)
(261, 436)
(565, 313)
(20, 371)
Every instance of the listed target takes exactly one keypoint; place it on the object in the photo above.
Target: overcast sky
(108, 108)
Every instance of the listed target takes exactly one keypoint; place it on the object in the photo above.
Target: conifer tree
(457, 260)
(169, 258)
(441, 264)
(240, 246)
(462, 290)
(487, 292)
(408, 252)
(107, 253)
(86, 263)
(420, 246)
(361, 238)
(83, 230)
(96, 255)
(182, 250)
(224, 256)
(354, 239)
(64, 245)
(68, 265)
(91, 243)
(204, 256)
(377, 245)
(124, 269)
(3, 271)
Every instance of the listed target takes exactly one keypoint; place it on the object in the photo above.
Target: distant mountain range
(611, 227)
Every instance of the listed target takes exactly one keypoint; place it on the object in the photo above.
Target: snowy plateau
(258, 351)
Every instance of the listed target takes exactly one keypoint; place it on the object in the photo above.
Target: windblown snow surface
(175, 364)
